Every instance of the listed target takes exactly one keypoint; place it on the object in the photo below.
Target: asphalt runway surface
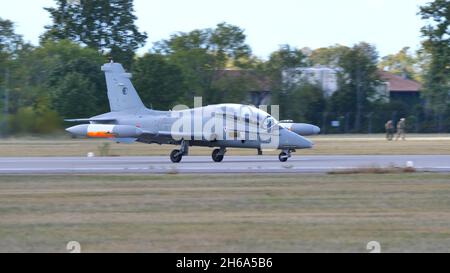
(204, 164)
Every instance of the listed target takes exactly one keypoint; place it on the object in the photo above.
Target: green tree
(285, 58)
(10, 46)
(328, 56)
(160, 84)
(74, 96)
(54, 80)
(105, 25)
(437, 44)
(233, 86)
(402, 63)
(201, 53)
(35, 119)
(306, 103)
(227, 43)
(357, 82)
(46, 73)
(10, 42)
(47, 120)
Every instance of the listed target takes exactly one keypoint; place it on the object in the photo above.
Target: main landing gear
(285, 155)
(177, 155)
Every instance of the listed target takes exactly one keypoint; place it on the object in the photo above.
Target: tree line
(61, 78)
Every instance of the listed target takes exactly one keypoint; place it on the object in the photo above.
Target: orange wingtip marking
(100, 135)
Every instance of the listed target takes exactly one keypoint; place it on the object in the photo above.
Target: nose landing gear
(218, 155)
(285, 155)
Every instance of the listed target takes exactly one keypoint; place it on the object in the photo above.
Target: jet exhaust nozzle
(105, 131)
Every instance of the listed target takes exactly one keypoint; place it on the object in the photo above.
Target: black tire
(283, 157)
(216, 157)
(175, 156)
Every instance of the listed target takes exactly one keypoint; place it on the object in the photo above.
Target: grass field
(175, 213)
(325, 145)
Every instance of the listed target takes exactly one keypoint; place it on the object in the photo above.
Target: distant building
(392, 87)
(326, 78)
(398, 88)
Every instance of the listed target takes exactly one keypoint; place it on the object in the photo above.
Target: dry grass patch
(325, 145)
(405, 212)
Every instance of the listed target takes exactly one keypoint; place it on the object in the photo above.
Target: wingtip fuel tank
(105, 131)
(302, 128)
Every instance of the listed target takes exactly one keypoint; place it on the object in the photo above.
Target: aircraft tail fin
(121, 93)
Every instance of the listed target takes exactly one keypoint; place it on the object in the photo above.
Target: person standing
(401, 129)
(389, 126)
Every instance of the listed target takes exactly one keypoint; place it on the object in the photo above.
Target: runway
(204, 164)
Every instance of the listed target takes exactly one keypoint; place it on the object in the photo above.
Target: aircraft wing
(163, 136)
(181, 135)
(99, 120)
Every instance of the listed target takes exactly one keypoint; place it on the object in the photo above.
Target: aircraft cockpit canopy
(248, 114)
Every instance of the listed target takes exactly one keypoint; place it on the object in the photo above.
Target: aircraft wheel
(283, 157)
(216, 156)
(176, 156)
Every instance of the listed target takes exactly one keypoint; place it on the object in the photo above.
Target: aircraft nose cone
(303, 143)
(289, 139)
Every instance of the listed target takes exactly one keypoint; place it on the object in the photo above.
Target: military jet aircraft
(217, 126)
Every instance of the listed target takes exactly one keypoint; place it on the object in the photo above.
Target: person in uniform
(389, 126)
(401, 129)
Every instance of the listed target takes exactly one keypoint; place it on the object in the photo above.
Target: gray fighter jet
(217, 126)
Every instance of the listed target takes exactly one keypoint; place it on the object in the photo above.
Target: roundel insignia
(125, 91)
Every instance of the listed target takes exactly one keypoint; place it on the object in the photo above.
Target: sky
(388, 24)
